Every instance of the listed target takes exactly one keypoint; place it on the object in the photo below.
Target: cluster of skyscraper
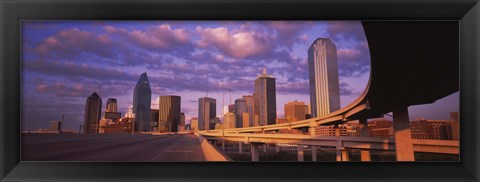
(166, 118)
(257, 109)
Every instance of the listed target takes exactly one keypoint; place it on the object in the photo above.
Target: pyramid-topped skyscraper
(142, 95)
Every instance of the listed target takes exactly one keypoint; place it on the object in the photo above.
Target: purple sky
(65, 61)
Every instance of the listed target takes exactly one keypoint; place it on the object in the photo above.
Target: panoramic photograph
(236, 91)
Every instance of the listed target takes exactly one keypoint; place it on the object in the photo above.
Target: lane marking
(179, 151)
(165, 151)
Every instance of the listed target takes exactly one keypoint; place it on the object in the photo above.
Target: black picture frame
(467, 12)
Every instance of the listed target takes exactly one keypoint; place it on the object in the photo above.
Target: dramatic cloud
(160, 37)
(289, 33)
(236, 43)
(73, 42)
(346, 30)
(65, 64)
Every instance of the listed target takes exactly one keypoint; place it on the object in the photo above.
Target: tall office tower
(93, 108)
(142, 96)
(265, 99)
(207, 111)
(323, 76)
(169, 114)
(249, 102)
(111, 105)
(111, 110)
(240, 108)
(229, 119)
(295, 111)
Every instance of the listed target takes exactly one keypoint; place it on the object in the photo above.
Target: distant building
(93, 108)
(182, 119)
(181, 126)
(169, 113)
(231, 108)
(323, 77)
(240, 109)
(142, 96)
(265, 99)
(154, 116)
(245, 119)
(331, 130)
(435, 129)
(194, 124)
(124, 125)
(229, 118)
(296, 111)
(102, 124)
(111, 105)
(207, 111)
(249, 102)
(114, 116)
(380, 128)
(56, 126)
(214, 123)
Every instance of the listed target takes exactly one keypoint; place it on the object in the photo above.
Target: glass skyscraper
(142, 96)
(323, 77)
(169, 113)
(93, 108)
(240, 108)
(111, 105)
(207, 111)
(265, 104)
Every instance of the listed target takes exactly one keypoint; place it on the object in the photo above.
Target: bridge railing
(338, 142)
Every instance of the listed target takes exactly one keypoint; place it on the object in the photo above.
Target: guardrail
(210, 152)
(340, 142)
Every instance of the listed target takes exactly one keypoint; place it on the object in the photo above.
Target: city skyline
(68, 74)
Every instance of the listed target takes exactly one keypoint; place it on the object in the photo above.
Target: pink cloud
(111, 29)
(162, 36)
(239, 43)
(74, 41)
(348, 54)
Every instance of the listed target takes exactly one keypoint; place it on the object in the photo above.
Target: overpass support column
(403, 135)
(240, 147)
(338, 150)
(363, 132)
(254, 151)
(345, 155)
(300, 152)
(223, 145)
(277, 148)
(338, 154)
(314, 153)
(265, 148)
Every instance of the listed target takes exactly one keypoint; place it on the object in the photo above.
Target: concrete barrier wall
(211, 152)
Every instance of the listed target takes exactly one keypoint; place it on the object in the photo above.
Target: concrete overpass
(423, 69)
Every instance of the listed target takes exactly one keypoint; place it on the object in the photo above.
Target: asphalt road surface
(111, 147)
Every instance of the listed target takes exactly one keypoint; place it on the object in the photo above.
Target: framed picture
(239, 90)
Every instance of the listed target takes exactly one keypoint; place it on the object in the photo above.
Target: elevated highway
(414, 63)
